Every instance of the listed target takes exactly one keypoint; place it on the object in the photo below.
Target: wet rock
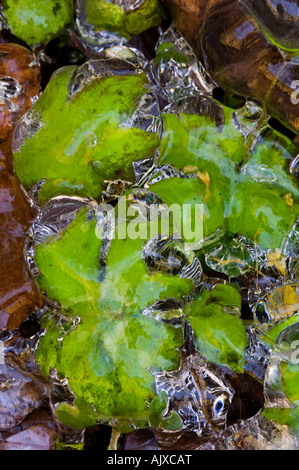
(36, 437)
(18, 293)
(236, 53)
(19, 88)
(278, 19)
(37, 432)
(146, 440)
(23, 389)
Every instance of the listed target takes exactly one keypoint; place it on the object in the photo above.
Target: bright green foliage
(285, 416)
(36, 21)
(114, 347)
(219, 334)
(113, 360)
(105, 15)
(82, 140)
(70, 265)
(245, 188)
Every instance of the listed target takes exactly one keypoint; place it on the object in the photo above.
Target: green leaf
(38, 22)
(219, 335)
(244, 184)
(105, 15)
(84, 139)
(173, 422)
(114, 346)
(69, 264)
(273, 333)
(157, 418)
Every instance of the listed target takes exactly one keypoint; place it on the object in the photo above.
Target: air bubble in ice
(169, 311)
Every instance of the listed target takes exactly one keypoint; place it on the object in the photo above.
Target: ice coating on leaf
(102, 327)
(235, 255)
(219, 333)
(57, 214)
(167, 255)
(38, 22)
(107, 387)
(223, 165)
(103, 22)
(91, 114)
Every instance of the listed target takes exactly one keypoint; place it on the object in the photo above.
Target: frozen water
(57, 214)
(278, 305)
(283, 367)
(199, 393)
(170, 255)
(175, 70)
